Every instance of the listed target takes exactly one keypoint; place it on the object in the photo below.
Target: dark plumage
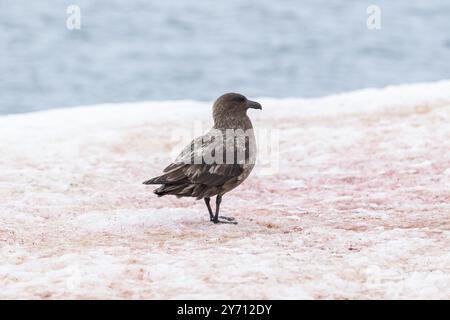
(217, 162)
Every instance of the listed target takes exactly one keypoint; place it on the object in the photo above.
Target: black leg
(218, 201)
(207, 201)
(220, 219)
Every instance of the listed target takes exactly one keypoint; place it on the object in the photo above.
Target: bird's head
(231, 105)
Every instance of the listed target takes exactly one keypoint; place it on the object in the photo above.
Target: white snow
(356, 204)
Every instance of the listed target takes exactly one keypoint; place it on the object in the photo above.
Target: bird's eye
(241, 99)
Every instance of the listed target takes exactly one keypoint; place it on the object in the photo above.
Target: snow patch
(359, 206)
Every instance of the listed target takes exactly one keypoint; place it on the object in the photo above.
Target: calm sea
(137, 50)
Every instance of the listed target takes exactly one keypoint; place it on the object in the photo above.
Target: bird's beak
(253, 105)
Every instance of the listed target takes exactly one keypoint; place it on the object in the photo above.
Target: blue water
(138, 50)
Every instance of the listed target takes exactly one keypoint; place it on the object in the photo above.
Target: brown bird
(217, 162)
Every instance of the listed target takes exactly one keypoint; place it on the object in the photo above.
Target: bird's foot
(222, 219)
(227, 218)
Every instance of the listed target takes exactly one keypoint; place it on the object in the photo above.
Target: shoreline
(359, 94)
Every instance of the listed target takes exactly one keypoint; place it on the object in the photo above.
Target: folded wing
(189, 175)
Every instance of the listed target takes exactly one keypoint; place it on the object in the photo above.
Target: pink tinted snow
(357, 205)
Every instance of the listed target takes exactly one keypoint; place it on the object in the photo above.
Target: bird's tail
(176, 190)
(166, 186)
(156, 180)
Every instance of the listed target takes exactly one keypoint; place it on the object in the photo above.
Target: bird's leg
(207, 201)
(220, 219)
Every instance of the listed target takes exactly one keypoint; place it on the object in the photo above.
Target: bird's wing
(197, 163)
